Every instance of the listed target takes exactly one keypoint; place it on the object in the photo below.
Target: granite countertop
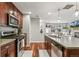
(66, 41)
(5, 41)
(8, 39)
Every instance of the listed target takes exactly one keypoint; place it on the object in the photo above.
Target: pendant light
(76, 11)
(59, 16)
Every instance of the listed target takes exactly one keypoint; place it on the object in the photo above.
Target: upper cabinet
(6, 7)
(3, 11)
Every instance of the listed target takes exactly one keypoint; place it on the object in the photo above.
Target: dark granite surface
(4, 40)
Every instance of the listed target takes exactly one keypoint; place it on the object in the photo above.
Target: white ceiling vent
(68, 6)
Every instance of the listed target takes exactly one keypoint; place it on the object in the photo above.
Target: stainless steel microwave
(12, 20)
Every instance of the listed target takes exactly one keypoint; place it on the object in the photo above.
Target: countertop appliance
(12, 20)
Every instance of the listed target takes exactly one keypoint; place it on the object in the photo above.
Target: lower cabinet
(48, 45)
(8, 50)
(4, 53)
(55, 51)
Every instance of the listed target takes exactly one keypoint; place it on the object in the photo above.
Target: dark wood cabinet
(48, 45)
(9, 49)
(6, 7)
(54, 47)
(4, 52)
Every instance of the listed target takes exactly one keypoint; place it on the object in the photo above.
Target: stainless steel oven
(20, 45)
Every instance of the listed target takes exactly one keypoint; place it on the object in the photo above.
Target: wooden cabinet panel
(48, 45)
(5, 7)
(52, 46)
(8, 50)
(3, 15)
(11, 50)
(56, 51)
(70, 52)
(59, 50)
(4, 53)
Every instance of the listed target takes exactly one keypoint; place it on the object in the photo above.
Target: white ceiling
(42, 8)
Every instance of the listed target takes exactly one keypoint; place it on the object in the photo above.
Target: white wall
(42, 26)
(36, 36)
(27, 26)
(25, 23)
(31, 26)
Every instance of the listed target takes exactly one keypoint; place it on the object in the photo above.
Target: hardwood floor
(27, 48)
(35, 48)
(40, 45)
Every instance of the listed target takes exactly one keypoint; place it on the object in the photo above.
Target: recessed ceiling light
(30, 12)
(59, 17)
(76, 11)
(41, 20)
(58, 21)
(49, 13)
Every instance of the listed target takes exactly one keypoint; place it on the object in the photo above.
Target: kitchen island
(68, 45)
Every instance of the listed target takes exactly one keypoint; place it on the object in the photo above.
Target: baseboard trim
(37, 41)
